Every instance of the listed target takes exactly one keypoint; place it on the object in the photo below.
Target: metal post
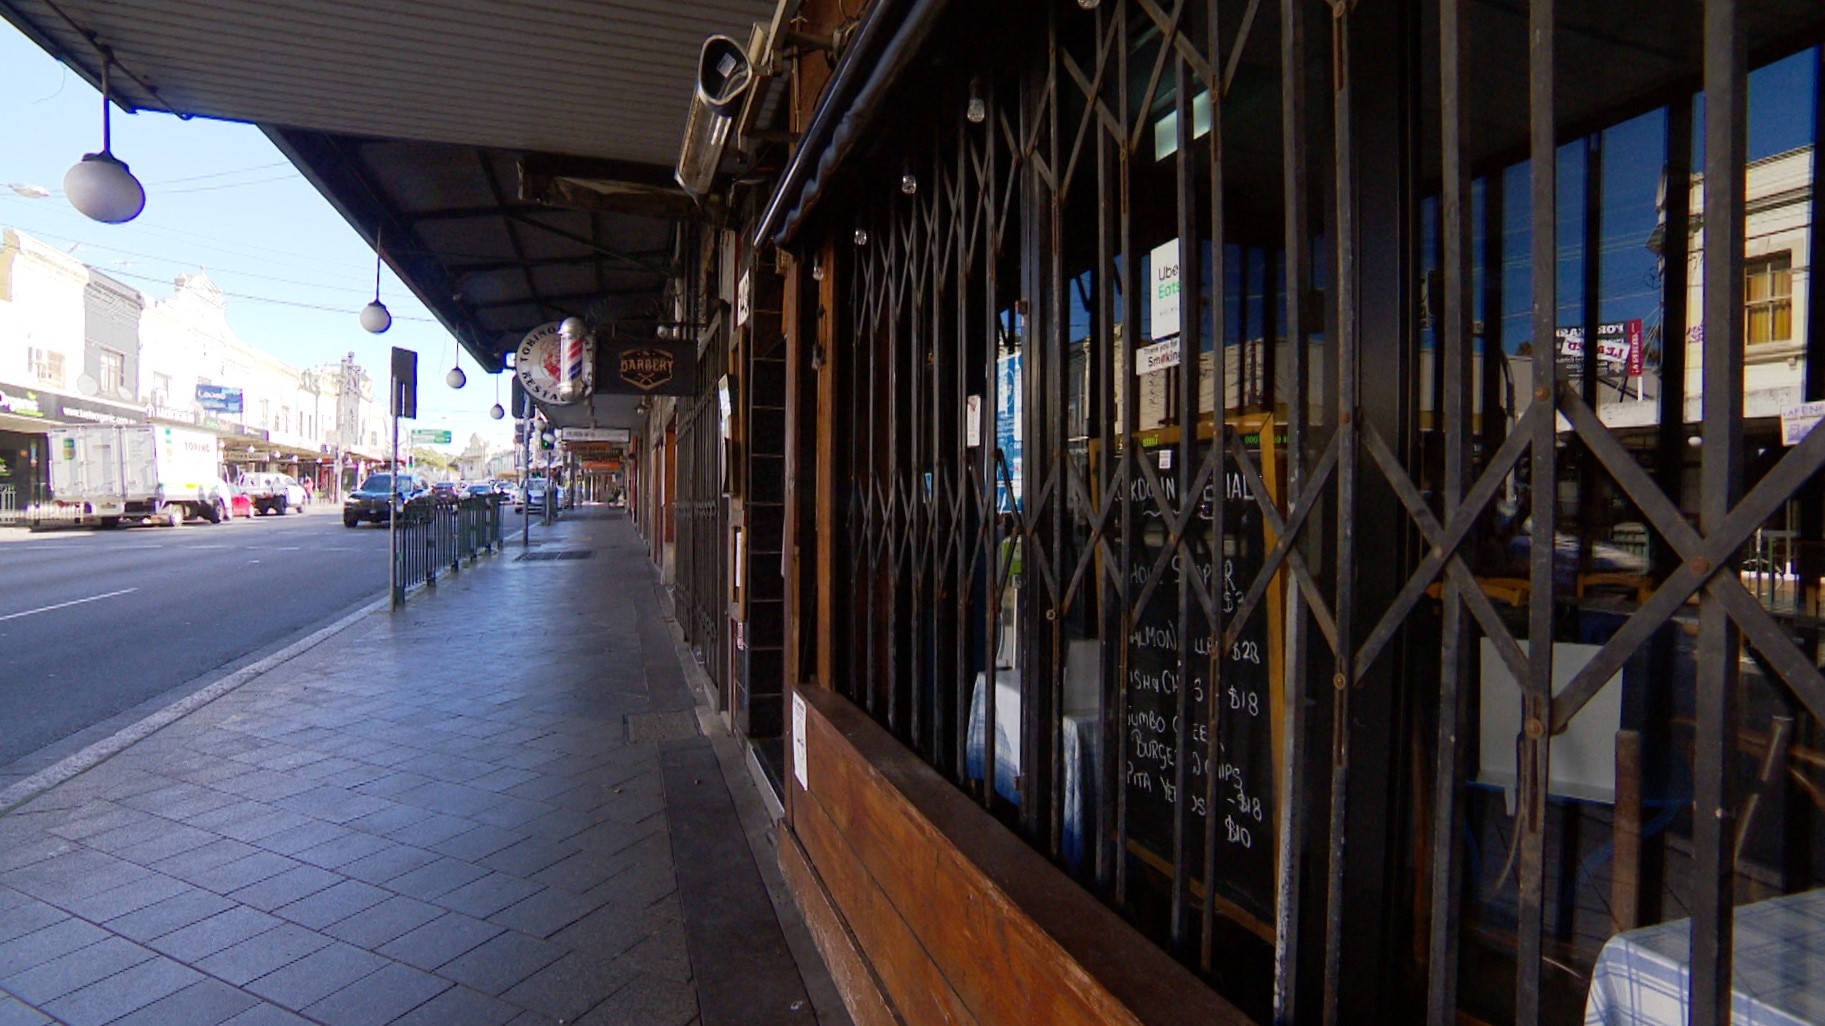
(526, 473)
(395, 588)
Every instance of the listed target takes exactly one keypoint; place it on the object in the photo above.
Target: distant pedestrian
(307, 490)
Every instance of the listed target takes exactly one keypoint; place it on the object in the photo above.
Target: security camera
(724, 74)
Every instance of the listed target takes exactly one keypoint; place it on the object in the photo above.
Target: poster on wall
(1163, 291)
(1007, 431)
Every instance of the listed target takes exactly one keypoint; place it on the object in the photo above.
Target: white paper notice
(798, 739)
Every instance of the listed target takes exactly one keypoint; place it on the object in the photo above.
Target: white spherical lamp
(456, 378)
(101, 186)
(497, 411)
(375, 318)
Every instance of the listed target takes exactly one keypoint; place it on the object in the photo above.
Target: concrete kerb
(94, 755)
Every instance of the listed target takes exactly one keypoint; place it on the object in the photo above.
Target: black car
(372, 501)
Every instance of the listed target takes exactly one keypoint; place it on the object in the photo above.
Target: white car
(273, 492)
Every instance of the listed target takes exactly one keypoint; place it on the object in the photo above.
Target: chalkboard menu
(1160, 663)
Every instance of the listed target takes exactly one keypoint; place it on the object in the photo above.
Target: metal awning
(512, 159)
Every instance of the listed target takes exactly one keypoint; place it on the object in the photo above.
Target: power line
(267, 299)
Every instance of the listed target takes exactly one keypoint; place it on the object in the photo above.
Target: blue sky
(220, 198)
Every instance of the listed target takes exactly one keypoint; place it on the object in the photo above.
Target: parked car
(230, 501)
(538, 490)
(372, 501)
(480, 490)
(273, 492)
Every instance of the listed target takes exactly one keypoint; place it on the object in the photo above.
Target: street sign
(430, 436)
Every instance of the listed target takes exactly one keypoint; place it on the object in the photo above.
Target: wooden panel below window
(961, 921)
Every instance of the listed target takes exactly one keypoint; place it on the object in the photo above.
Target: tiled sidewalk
(466, 812)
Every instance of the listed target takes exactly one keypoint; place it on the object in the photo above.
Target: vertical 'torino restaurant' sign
(647, 368)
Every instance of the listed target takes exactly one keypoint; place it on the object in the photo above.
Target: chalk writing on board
(1169, 659)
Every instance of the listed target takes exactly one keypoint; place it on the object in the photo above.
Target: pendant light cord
(107, 122)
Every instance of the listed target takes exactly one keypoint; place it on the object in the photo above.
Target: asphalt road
(97, 628)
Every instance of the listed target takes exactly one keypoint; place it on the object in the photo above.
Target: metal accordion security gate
(1255, 479)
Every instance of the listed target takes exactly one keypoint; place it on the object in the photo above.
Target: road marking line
(72, 602)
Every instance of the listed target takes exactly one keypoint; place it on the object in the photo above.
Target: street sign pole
(404, 404)
(393, 582)
(526, 473)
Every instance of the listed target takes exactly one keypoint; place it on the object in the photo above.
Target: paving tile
(196, 864)
(664, 953)
(75, 870)
(48, 981)
(647, 1001)
(378, 998)
(527, 857)
(374, 926)
(440, 877)
(459, 1006)
(258, 828)
(511, 813)
(431, 830)
(392, 782)
(581, 872)
(336, 804)
(146, 827)
(208, 936)
(171, 839)
(304, 836)
(544, 913)
(333, 903)
(638, 886)
(101, 906)
(388, 863)
(571, 986)
(501, 963)
(98, 818)
(29, 916)
(343, 850)
(180, 910)
(285, 888)
(316, 976)
(261, 954)
(15, 1013)
(56, 940)
(267, 1015)
(612, 836)
(261, 865)
(607, 932)
(484, 897)
(125, 991)
(220, 820)
(30, 850)
(479, 842)
(440, 940)
(387, 820)
(558, 823)
(206, 1002)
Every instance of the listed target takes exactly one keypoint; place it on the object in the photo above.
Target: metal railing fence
(439, 534)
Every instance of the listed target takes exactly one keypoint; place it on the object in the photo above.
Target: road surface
(99, 627)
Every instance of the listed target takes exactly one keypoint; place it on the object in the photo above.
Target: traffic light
(546, 440)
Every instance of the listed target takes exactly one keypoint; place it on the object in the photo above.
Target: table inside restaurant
(1642, 976)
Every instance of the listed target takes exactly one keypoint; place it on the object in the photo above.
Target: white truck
(104, 475)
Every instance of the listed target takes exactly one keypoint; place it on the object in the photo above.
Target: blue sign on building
(1007, 430)
(218, 398)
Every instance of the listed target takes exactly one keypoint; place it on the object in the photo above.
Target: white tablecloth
(1641, 978)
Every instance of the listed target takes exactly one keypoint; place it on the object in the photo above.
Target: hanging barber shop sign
(648, 368)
